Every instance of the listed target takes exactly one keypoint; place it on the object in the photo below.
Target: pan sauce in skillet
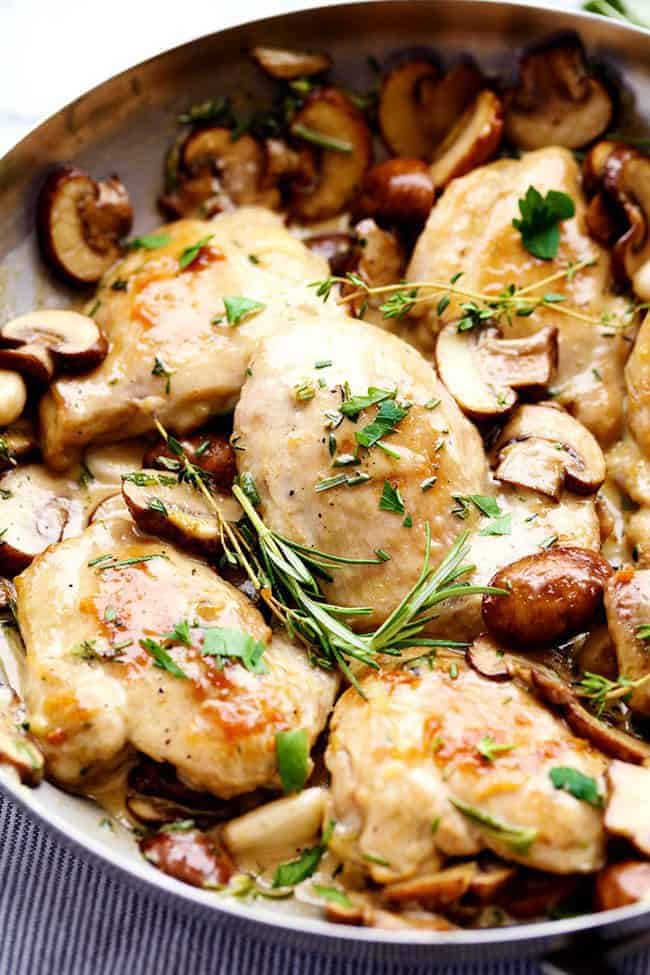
(223, 478)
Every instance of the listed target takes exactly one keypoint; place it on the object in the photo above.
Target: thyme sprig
(599, 691)
(477, 308)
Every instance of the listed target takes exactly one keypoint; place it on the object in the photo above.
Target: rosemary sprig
(600, 691)
(477, 308)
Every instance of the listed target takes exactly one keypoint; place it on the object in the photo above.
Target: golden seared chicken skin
(300, 450)
(411, 783)
(470, 230)
(175, 351)
(103, 679)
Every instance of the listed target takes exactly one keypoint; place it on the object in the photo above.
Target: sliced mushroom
(533, 463)
(582, 458)
(396, 191)
(400, 114)
(13, 396)
(18, 444)
(286, 65)
(111, 507)
(217, 172)
(41, 342)
(552, 595)
(161, 505)
(288, 165)
(557, 101)
(609, 740)
(191, 856)
(210, 451)
(328, 119)
(487, 658)
(620, 884)
(534, 895)
(472, 141)
(627, 604)
(36, 510)
(434, 890)
(417, 106)
(489, 880)
(16, 747)
(481, 370)
(81, 222)
(286, 823)
(627, 178)
(628, 801)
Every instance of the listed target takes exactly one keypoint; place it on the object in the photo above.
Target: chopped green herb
(292, 751)
(86, 476)
(579, 785)
(323, 364)
(489, 748)
(102, 564)
(548, 542)
(148, 242)
(211, 110)
(321, 139)
(353, 405)
(382, 555)
(388, 416)
(380, 861)
(391, 499)
(431, 404)
(180, 634)
(642, 631)
(408, 522)
(518, 838)
(498, 526)
(119, 285)
(162, 659)
(160, 369)
(294, 872)
(332, 894)
(247, 483)
(253, 258)
(304, 390)
(110, 614)
(428, 483)
(239, 308)
(226, 644)
(157, 504)
(540, 220)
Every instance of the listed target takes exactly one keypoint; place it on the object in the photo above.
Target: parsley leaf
(489, 748)
(148, 242)
(238, 308)
(388, 416)
(540, 219)
(352, 405)
(292, 751)
(161, 658)
(519, 838)
(180, 634)
(228, 644)
(292, 873)
(191, 253)
(332, 894)
(575, 782)
(160, 369)
(391, 499)
(498, 526)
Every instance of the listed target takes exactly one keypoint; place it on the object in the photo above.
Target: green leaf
(292, 873)
(352, 405)
(540, 220)
(228, 644)
(157, 504)
(498, 526)
(180, 634)
(579, 785)
(518, 838)
(247, 483)
(320, 139)
(391, 499)
(642, 631)
(192, 252)
(332, 894)
(388, 416)
(292, 750)
(148, 242)
(489, 748)
(238, 308)
(161, 658)
(486, 505)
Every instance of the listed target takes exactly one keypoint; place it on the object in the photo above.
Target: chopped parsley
(190, 254)
(498, 526)
(388, 416)
(157, 504)
(489, 748)
(226, 644)
(518, 838)
(540, 220)
(353, 405)
(294, 872)
(292, 752)
(239, 308)
(304, 390)
(391, 499)
(148, 242)
(160, 369)
(161, 658)
(332, 894)
(577, 784)
(428, 483)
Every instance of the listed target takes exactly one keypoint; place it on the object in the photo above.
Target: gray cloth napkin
(63, 915)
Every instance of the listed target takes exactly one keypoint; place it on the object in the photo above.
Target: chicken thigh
(132, 644)
(174, 353)
(299, 447)
(470, 231)
(411, 783)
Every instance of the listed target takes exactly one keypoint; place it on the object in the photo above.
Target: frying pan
(124, 125)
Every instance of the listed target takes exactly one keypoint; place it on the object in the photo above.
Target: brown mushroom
(552, 595)
(609, 740)
(396, 191)
(557, 102)
(329, 121)
(210, 451)
(620, 884)
(40, 343)
(81, 222)
(627, 604)
(217, 172)
(34, 513)
(339, 250)
(532, 894)
(417, 106)
(627, 179)
(13, 396)
(582, 459)
(161, 505)
(18, 444)
(111, 507)
(628, 801)
(489, 880)
(194, 857)
(286, 65)
(433, 890)
(472, 141)
(16, 747)
(487, 658)
(482, 370)
(378, 259)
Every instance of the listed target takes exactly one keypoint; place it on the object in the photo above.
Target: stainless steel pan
(124, 125)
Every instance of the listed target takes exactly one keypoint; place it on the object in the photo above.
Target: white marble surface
(50, 52)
